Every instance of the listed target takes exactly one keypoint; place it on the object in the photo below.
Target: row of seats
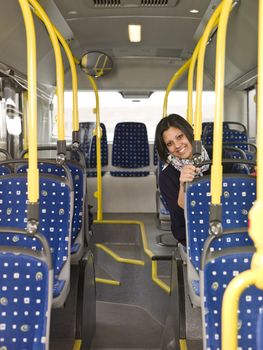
(213, 258)
(62, 228)
(130, 149)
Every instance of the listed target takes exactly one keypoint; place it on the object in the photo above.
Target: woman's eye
(179, 137)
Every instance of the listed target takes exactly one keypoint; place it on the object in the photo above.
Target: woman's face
(177, 143)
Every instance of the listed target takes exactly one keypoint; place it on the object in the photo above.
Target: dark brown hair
(172, 120)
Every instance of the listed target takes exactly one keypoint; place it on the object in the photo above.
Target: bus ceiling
(169, 32)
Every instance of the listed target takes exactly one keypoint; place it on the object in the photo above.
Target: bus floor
(124, 325)
(121, 326)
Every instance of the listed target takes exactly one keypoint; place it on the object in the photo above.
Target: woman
(174, 137)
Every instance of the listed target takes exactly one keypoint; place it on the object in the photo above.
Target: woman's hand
(188, 173)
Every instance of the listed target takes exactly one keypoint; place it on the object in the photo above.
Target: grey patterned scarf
(179, 163)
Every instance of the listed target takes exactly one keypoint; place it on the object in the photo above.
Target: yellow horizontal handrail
(118, 258)
(146, 249)
(107, 281)
(132, 222)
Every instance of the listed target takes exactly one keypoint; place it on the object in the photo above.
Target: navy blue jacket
(169, 186)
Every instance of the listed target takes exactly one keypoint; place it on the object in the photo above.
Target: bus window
(114, 108)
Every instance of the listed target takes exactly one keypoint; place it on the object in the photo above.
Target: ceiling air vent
(159, 3)
(133, 3)
(107, 3)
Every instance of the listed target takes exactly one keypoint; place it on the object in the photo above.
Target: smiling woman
(174, 137)
(129, 206)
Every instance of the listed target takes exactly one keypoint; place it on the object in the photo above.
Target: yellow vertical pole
(191, 84)
(217, 170)
(212, 23)
(59, 66)
(75, 111)
(33, 175)
(98, 133)
(25, 115)
(175, 77)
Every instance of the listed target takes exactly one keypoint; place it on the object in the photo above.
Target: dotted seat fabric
(78, 180)
(54, 215)
(4, 170)
(238, 195)
(24, 302)
(130, 149)
(229, 136)
(155, 155)
(218, 272)
(208, 126)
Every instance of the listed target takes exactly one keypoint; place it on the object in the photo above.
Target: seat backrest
(78, 179)
(229, 136)
(130, 149)
(155, 155)
(86, 135)
(238, 195)
(79, 185)
(207, 127)
(26, 293)
(88, 147)
(54, 215)
(5, 169)
(219, 270)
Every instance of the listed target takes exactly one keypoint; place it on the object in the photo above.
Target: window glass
(114, 108)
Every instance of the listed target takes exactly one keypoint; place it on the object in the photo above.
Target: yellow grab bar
(33, 175)
(59, 66)
(175, 77)
(216, 169)
(230, 307)
(98, 133)
(212, 23)
(71, 59)
(191, 84)
(25, 117)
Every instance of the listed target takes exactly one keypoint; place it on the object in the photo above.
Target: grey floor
(122, 326)
(193, 315)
